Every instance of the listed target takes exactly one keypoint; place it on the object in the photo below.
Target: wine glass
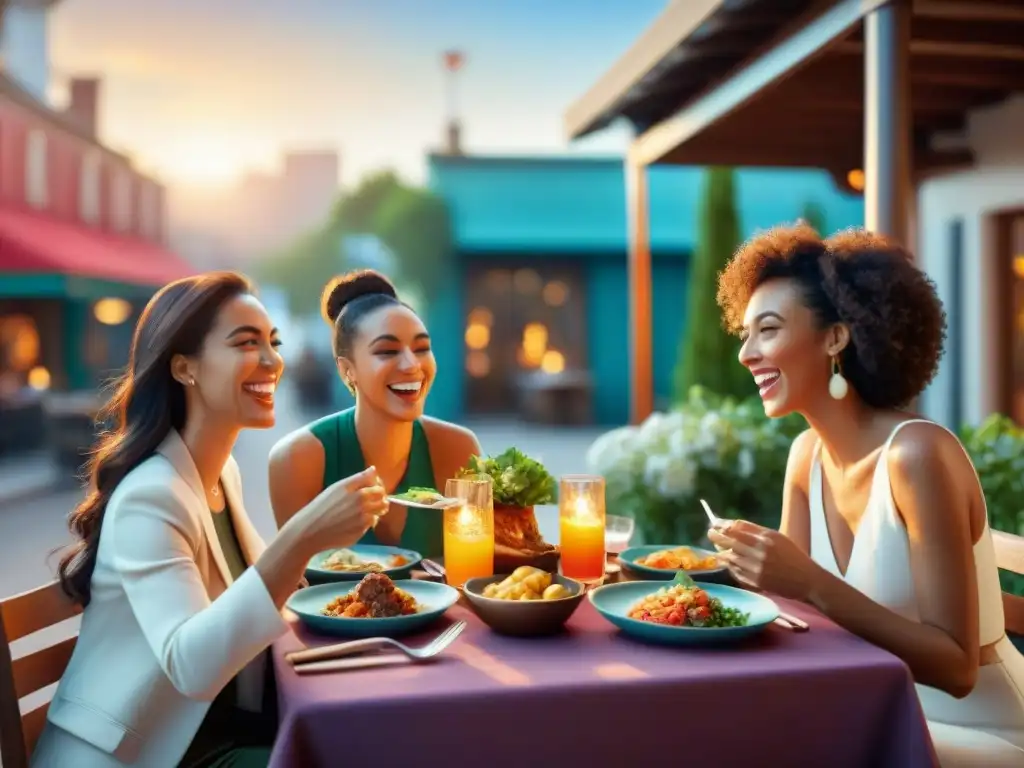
(618, 531)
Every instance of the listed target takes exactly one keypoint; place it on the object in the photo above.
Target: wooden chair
(1010, 557)
(20, 616)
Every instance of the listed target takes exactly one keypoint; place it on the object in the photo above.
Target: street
(30, 530)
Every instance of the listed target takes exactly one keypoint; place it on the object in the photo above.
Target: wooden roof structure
(781, 82)
(875, 90)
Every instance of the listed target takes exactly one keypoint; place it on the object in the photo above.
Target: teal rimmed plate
(433, 598)
(614, 601)
(628, 558)
(375, 553)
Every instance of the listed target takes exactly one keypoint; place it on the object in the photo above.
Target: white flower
(745, 462)
(669, 476)
(710, 422)
(616, 455)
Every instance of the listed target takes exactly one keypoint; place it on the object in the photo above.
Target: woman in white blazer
(181, 597)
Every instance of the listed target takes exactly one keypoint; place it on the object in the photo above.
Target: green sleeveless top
(343, 457)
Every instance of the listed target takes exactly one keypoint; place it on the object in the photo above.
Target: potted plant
(519, 484)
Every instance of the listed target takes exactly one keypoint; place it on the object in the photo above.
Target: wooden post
(641, 379)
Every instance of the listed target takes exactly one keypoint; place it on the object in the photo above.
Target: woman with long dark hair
(181, 595)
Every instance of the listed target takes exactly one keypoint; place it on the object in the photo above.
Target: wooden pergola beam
(679, 20)
(774, 65)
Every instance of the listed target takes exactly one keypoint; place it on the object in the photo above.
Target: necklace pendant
(215, 490)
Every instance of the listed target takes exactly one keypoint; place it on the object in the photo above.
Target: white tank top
(880, 559)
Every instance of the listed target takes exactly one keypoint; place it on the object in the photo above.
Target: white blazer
(166, 628)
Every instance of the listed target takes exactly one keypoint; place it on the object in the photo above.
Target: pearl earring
(191, 381)
(837, 385)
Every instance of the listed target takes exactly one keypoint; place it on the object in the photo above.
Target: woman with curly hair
(884, 525)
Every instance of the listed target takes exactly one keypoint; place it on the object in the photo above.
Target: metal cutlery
(331, 652)
(712, 517)
(350, 663)
(433, 568)
(792, 623)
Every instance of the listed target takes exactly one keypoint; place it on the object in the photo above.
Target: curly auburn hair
(864, 280)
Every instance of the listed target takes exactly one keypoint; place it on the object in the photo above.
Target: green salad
(418, 495)
(519, 481)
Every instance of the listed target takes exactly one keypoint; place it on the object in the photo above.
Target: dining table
(591, 696)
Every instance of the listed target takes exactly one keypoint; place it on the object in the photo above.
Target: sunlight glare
(205, 162)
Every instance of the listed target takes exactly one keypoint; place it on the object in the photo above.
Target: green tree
(814, 215)
(412, 222)
(302, 269)
(415, 225)
(356, 213)
(707, 353)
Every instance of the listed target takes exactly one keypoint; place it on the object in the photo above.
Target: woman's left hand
(764, 559)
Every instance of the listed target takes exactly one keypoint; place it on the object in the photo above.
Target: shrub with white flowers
(728, 453)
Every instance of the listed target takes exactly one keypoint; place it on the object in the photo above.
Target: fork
(431, 649)
(712, 517)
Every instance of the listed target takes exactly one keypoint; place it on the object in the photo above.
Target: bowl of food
(683, 612)
(660, 562)
(353, 563)
(525, 603)
(375, 607)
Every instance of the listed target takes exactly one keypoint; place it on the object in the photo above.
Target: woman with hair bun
(884, 525)
(385, 359)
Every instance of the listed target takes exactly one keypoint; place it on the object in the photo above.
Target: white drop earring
(837, 384)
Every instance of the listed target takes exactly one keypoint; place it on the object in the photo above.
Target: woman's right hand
(343, 512)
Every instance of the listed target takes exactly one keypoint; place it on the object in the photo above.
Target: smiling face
(237, 368)
(391, 364)
(785, 350)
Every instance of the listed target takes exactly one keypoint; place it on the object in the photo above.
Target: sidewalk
(28, 475)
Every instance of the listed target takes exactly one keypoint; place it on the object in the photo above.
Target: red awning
(31, 242)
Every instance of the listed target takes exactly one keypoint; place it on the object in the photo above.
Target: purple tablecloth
(592, 697)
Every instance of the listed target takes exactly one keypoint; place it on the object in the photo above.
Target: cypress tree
(708, 355)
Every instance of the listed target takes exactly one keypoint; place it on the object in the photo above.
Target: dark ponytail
(146, 404)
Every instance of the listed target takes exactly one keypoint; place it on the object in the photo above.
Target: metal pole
(887, 119)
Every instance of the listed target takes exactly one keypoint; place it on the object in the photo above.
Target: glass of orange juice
(469, 529)
(581, 515)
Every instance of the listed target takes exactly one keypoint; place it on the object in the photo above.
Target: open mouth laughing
(408, 391)
(766, 380)
(261, 391)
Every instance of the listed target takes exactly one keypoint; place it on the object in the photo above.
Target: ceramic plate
(317, 574)
(628, 558)
(433, 598)
(613, 601)
(439, 504)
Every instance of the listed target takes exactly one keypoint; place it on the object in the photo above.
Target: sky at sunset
(199, 91)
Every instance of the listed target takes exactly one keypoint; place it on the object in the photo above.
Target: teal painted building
(541, 241)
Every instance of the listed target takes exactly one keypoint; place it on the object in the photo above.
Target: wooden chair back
(1010, 557)
(20, 616)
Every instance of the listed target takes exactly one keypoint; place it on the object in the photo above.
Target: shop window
(37, 180)
(89, 188)
(19, 352)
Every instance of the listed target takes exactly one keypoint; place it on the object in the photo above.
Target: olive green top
(343, 457)
(229, 544)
